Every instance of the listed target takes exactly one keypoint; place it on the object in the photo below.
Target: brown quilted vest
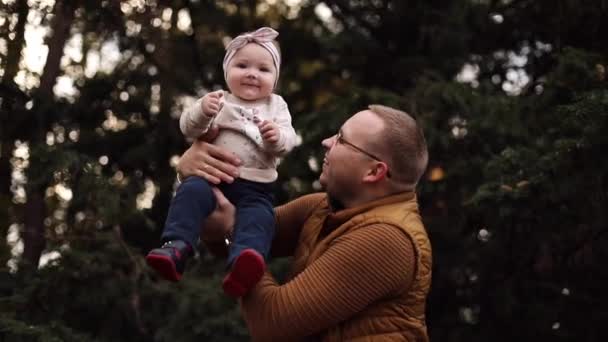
(398, 318)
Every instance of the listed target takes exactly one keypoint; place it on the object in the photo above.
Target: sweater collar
(335, 219)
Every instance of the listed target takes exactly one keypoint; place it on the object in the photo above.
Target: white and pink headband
(264, 37)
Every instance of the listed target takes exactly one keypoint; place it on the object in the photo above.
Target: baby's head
(252, 64)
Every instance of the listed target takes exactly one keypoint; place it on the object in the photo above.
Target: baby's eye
(241, 65)
(264, 69)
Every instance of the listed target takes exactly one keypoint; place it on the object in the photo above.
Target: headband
(264, 37)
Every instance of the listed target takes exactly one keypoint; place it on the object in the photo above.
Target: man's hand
(211, 103)
(210, 162)
(270, 131)
(220, 223)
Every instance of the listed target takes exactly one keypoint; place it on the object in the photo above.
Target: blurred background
(512, 95)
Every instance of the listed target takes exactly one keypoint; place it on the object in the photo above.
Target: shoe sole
(164, 266)
(247, 270)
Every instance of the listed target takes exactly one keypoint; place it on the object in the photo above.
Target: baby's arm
(196, 120)
(279, 136)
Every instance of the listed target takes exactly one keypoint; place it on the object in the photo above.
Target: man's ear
(377, 173)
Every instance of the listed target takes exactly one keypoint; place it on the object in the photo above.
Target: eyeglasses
(340, 140)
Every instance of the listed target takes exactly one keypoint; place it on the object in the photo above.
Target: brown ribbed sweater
(355, 274)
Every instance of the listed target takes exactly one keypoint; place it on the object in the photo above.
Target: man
(362, 259)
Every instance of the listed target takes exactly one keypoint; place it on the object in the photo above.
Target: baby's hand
(212, 103)
(269, 131)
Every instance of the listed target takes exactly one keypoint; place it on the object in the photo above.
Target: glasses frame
(340, 140)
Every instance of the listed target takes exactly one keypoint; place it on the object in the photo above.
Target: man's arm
(218, 226)
(358, 269)
(290, 218)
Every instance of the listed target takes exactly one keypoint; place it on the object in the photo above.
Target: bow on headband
(264, 37)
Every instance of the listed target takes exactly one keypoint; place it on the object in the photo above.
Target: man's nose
(329, 142)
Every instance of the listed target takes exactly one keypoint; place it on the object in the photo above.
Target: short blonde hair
(403, 144)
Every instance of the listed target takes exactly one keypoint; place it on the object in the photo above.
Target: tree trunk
(9, 104)
(64, 16)
(14, 46)
(35, 209)
(6, 150)
(164, 171)
(34, 241)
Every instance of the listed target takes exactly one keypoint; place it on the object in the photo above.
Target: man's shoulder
(309, 203)
(315, 197)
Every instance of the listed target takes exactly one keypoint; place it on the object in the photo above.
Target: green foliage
(537, 214)
(17, 331)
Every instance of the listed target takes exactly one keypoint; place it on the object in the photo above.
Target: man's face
(251, 73)
(344, 166)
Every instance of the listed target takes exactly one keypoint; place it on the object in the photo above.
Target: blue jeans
(194, 201)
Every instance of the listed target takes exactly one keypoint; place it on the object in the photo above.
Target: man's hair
(403, 145)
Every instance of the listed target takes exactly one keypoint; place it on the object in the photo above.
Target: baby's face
(251, 73)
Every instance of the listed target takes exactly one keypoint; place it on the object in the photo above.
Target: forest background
(512, 95)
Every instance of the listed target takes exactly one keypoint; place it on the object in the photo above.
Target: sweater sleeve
(288, 137)
(290, 218)
(193, 123)
(358, 269)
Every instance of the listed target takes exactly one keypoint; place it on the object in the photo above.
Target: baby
(255, 125)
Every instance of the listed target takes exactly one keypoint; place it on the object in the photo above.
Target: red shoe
(169, 261)
(247, 270)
